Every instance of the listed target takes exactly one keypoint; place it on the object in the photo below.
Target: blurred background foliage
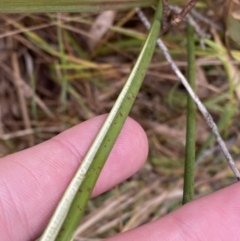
(58, 70)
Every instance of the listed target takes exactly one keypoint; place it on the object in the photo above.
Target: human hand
(33, 181)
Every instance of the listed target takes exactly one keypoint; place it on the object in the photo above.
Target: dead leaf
(233, 20)
(100, 27)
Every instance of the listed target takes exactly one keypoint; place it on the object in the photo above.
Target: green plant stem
(188, 189)
(23, 6)
(66, 219)
(34, 105)
(64, 82)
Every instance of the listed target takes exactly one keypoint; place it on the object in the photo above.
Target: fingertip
(212, 217)
(132, 147)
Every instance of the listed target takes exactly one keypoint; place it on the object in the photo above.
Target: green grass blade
(29, 65)
(64, 82)
(188, 189)
(80, 189)
(22, 6)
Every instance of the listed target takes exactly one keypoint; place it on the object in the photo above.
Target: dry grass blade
(21, 95)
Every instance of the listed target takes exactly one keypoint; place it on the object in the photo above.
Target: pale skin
(32, 182)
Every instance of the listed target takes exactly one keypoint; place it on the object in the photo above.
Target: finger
(32, 181)
(214, 217)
